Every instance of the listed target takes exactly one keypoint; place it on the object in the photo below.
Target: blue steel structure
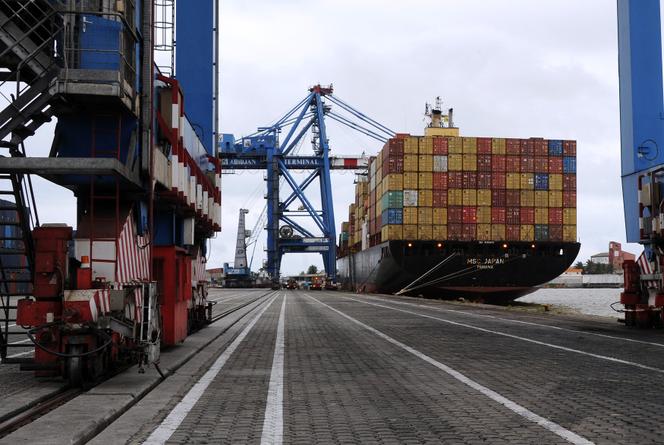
(265, 150)
(642, 156)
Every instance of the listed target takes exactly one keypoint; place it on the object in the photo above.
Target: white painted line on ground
(511, 320)
(273, 423)
(559, 430)
(19, 342)
(171, 423)
(517, 337)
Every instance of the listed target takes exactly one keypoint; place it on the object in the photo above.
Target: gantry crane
(266, 150)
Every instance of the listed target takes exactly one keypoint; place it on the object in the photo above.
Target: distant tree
(312, 270)
(579, 265)
(591, 268)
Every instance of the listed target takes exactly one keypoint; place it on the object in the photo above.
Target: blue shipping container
(541, 232)
(392, 216)
(541, 181)
(569, 164)
(555, 148)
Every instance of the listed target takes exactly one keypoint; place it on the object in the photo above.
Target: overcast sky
(510, 68)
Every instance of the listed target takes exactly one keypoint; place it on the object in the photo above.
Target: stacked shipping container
(467, 189)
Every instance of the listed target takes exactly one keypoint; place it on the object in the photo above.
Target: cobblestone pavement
(373, 369)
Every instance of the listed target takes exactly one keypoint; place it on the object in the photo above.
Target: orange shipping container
(469, 145)
(470, 162)
(425, 198)
(527, 232)
(555, 182)
(425, 181)
(425, 216)
(484, 232)
(527, 198)
(424, 233)
(391, 232)
(541, 199)
(469, 197)
(410, 232)
(541, 215)
(393, 182)
(455, 197)
(455, 162)
(484, 215)
(410, 181)
(498, 146)
(484, 197)
(410, 215)
(569, 233)
(426, 146)
(454, 145)
(498, 232)
(411, 145)
(513, 181)
(569, 216)
(439, 216)
(439, 233)
(527, 181)
(555, 199)
(425, 163)
(410, 163)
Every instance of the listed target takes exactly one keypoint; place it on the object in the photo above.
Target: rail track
(40, 407)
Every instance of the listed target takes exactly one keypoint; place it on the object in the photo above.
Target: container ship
(445, 216)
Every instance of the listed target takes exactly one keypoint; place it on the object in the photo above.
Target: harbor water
(584, 301)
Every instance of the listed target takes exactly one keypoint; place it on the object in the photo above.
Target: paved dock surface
(332, 367)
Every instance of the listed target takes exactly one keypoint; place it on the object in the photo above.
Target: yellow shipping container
(484, 232)
(541, 199)
(410, 181)
(439, 217)
(498, 232)
(426, 146)
(569, 217)
(411, 145)
(425, 198)
(410, 232)
(569, 233)
(484, 197)
(455, 162)
(555, 181)
(454, 145)
(527, 198)
(483, 215)
(425, 163)
(469, 197)
(410, 163)
(470, 145)
(470, 162)
(391, 232)
(527, 232)
(498, 147)
(393, 182)
(527, 181)
(439, 232)
(555, 199)
(424, 216)
(541, 215)
(425, 181)
(455, 197)
(513, 181)
(424, 233)
(410, 215)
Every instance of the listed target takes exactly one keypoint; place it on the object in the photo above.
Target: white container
(440, 164)
(410, 198)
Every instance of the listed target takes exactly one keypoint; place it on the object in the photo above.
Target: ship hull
(491, 272)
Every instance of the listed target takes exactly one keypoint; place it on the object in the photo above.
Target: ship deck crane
(267, 150)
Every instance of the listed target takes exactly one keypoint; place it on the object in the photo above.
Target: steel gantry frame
(264, 150)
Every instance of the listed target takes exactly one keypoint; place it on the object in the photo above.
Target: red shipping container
(527, 164)
(569, 148)
(484, 163)
(498, 180)
(484, 180)
(541, 165)
(555, 165)
(513, 233)
(440, 146)
(527, 215)
(470, 215)
(440, 181)
(394, 147)
(527, 147)
(541, 147)
(484, 146)
(569, 182)
(498, 198)
(454, 231)
(454, 215)
(513, 146)
(569, 199)
(513, 215)
(555, 233)
(497, 215)
(469, 232)
(393, 164)
(455, 180)
(513, 198)
(555, 216)
(498, 163)
(440, 198)
(513, 164)
(469, 180)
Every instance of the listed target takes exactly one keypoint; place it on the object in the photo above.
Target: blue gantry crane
(279, 157)
(642, 134)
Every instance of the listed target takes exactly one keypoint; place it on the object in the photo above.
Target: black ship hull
(491, 272)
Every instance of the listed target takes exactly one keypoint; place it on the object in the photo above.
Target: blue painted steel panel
(195, 65)
(100, 43)
(79, 133)
(555, 148)
(541, 181)
(167, 229)
(641, 98)
(569, 164)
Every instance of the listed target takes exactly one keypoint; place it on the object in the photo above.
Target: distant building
(615, 256)
(216, 275)
(573, 271)
(600, 258)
